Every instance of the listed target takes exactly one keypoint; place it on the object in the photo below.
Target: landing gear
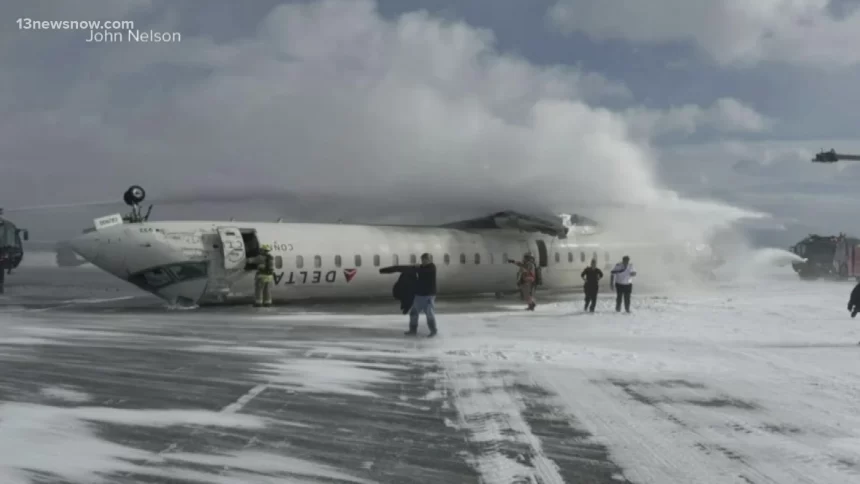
(133, 197)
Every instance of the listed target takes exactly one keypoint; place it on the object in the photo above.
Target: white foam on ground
(237, 349)
(262, 462)
(727, 342)
(65, 394)
(328, 375)
(54, 332)
(24, 341)
(785, 349)
(63, 442)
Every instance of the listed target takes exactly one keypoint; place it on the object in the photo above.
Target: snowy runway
(756, 383)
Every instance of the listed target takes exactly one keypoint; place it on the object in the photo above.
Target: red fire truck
(846, 259)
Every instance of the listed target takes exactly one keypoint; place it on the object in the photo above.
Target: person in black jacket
(854, 300)
(423, 294)
(591, 275)
(404, 288)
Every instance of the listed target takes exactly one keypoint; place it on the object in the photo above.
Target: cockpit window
(156, 278)
(187, 271)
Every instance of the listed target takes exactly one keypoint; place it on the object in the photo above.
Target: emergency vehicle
(829, 256)
(846, 259)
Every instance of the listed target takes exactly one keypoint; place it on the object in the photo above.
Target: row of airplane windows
(413, 259)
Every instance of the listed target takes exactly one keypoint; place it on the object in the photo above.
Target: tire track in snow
(490, 413)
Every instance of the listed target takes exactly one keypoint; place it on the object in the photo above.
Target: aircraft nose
(87, 246)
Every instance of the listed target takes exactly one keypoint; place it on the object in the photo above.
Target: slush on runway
(101, 381)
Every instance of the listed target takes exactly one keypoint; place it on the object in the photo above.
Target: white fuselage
(204, 262)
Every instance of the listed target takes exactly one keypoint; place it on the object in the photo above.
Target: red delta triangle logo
(349, 274)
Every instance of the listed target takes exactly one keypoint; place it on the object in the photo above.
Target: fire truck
(830, 256)
(846, 259)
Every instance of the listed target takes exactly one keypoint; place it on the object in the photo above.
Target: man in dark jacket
(404, 288)
(854, 300)
(591, 275)
(424, 299)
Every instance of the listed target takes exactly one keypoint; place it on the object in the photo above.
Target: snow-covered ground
(745, 382)
(759, 384)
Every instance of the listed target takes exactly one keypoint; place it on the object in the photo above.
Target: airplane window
(156, 277)
(491, 258)
(189, 270)
(300, 262)
(582, 257)
(462, 258)
(557, 257)
(376, 260)
(337, 261)
(570, 256)
(447, 259)
(357, 260)
(395, 259)
(413, 259)
(504, 257)
(317, 261)
(477, 258)
(594, 256)
(279, 262)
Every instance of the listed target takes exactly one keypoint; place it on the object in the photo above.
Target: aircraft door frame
(543, 253)
(232, 248)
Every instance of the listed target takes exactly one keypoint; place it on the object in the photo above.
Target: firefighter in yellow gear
(264, 278)
(527, 279)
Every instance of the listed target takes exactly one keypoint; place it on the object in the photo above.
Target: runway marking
(81, 301)
(232, 408)
(245, 399)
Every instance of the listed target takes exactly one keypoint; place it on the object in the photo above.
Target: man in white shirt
(622, 278)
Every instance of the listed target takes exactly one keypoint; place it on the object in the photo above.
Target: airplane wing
(556, 225)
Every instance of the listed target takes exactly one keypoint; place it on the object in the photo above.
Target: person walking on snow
(592, 276)
(622, 278)
(424, 293)
(527, 279)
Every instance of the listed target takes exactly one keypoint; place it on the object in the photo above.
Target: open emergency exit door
(232, 248)
(543, 253)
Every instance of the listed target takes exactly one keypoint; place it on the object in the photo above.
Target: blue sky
(470, 102)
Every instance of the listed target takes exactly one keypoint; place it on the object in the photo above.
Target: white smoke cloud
(415, 114)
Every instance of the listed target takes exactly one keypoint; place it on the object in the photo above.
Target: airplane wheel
(134, 195)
